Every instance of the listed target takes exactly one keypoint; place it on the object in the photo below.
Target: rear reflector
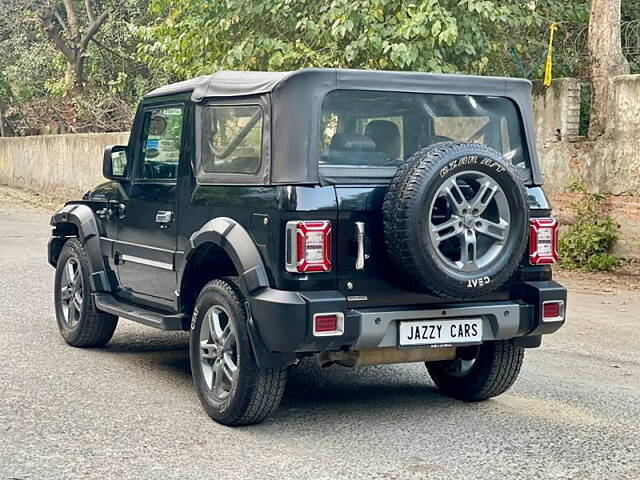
(543, 247)
(553, 311)
(327, 324)
(308, 246)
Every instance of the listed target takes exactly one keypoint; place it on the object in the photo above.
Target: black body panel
(145, 249)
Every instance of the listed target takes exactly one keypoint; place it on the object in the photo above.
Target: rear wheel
(479, 373)
(80, 324)
(232, 388)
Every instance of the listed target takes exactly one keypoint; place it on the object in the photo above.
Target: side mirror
(115, 163)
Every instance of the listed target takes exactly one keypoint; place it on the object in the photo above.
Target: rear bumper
(282, 320)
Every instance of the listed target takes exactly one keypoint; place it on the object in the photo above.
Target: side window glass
(232, 139)
(161, 143)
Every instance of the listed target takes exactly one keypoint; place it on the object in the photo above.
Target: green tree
(192, 37)
(38, 75)
(70, 32)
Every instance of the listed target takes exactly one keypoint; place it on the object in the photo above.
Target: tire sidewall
(214, 294)
(71, 249)
(469, 158)
(490, 375)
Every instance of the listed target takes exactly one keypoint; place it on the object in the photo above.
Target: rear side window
(232, 139)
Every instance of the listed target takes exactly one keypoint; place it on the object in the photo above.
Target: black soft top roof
(296, 99)
(228, 83)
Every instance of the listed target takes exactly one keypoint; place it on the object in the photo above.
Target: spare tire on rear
(456, 220)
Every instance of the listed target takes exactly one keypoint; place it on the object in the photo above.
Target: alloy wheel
(469, 221)
(218, 352)
(71, 292)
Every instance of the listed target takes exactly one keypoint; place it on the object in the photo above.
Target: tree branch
(92, 17)
(114, 52)
(54, 36)
(93, 29)
(62, 23)
(72, 17)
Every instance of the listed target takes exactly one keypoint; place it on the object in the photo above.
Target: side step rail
(106, 302)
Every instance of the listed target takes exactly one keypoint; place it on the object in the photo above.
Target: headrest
(352, 142)
(382, 129)
(386, 136)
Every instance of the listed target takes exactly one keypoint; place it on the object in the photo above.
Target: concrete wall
(56, 165)
(609, 165)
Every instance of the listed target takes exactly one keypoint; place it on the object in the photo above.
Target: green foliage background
(146, 43)
(586, 244)
(192, 37)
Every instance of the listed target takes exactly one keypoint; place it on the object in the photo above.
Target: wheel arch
(221, 248)
(78, 220)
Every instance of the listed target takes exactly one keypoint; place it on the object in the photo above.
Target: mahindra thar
(359, 217)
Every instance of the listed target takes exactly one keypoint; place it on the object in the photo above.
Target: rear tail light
(328, 324)
(308, 246)
(553, 311)
(543, 248)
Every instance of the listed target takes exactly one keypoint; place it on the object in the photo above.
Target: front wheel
(79, 322)
(478, 373)
(232, 388)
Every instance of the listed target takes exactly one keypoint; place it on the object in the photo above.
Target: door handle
(164, 218)
(361, 256)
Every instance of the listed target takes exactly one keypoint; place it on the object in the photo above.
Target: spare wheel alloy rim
(469, 221)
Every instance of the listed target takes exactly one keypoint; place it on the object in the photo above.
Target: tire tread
(265, 387)
(399, 204)
(501, 372)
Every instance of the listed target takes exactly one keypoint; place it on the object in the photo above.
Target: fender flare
(83, 218)
(238, 245)
(252, 276)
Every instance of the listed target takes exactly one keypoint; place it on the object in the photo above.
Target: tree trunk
(78, 73)
(606, 61)
(70, 39)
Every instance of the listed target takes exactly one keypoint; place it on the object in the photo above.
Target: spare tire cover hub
(475, 231)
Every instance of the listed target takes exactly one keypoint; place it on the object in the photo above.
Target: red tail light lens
(543, 247)
(308, 246)
(327, 324)
(553, 311)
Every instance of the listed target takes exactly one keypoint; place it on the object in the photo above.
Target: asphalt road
(129, 410)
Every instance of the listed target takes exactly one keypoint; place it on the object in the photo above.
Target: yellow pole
(549, 63)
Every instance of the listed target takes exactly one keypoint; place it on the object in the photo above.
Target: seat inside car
(386, 136)
(348, 148)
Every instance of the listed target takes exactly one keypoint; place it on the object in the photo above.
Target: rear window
(377, 130)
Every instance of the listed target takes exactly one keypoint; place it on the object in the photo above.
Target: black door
(147, 227)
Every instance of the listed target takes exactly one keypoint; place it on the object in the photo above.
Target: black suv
(359, 217)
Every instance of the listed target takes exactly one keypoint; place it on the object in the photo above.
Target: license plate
(439, 332)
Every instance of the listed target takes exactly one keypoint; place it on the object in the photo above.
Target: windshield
(377, 130)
